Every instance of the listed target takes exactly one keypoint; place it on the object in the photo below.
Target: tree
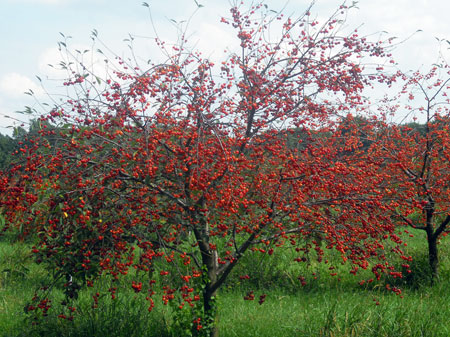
(7, 147)
(188, 161)
(416, 159)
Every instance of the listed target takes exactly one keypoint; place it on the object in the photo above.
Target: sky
(30, 31)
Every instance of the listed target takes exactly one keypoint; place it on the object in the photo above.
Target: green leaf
(198, 5)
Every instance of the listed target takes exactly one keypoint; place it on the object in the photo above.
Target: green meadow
(326, 305)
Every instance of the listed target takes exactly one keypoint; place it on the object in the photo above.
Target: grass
(338, 312)
(327, 306)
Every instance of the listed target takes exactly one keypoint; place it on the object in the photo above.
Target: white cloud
(402, 18)
(15, 85)
(213, 39)
(52, 61)
(48, 62)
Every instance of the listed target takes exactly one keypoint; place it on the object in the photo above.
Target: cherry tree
(415, 157)
(180, 169)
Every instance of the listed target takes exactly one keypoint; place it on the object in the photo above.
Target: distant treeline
(10, 144)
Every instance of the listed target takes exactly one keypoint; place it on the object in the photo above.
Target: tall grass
(339, 312)
(326, 306)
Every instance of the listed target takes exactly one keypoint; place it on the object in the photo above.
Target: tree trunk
(210, 311)
(209, 259)
(433, 257)
(432, 241)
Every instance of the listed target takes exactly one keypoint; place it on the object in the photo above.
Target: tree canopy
(195, 164)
